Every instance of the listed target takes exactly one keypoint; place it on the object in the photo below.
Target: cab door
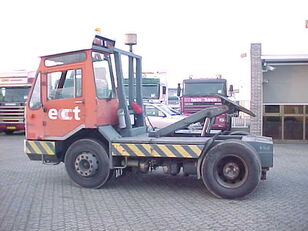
(63, 103)
(34, 112)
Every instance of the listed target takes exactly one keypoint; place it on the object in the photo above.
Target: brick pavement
(38, 197)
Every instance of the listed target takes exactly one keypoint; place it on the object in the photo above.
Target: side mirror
(164, 90)
(178, 90)
(231, 90)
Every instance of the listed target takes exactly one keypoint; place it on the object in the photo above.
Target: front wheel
(87, 163)
(231, 169)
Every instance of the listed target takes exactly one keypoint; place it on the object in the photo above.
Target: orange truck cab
(63, 94)
(77, 113)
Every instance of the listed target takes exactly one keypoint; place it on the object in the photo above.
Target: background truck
(153, 90)
(14, 89)
(198, 94)
(78, 114)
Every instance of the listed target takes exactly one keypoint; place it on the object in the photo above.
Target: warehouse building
(279, 95)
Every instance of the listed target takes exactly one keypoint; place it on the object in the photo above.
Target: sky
(198, 38)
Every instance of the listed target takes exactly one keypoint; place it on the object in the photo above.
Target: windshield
(150, 91)
(204, 89)
(167, 109)
(13, 94)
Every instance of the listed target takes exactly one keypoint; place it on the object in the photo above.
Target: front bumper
(11, 127)
(41, 150)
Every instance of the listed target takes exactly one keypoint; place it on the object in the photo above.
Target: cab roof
(98, 41)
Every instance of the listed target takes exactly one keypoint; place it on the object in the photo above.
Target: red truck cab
(199, 94)
(14, 89)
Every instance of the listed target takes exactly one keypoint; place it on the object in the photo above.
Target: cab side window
(35, 101)
(102, 74)
(64, 84)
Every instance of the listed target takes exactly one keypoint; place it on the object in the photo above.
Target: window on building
(272, 127)
(272, 109)
(286, 122)
(293, 128)
(293, 109)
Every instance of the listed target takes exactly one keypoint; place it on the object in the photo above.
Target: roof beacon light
(130, 40)
(98, 30)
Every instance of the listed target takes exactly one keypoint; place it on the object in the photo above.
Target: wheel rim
(231, 171)
(86, 164)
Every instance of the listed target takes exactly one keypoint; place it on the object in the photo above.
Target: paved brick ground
(38, 197)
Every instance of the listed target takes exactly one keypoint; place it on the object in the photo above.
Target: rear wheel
(87, 163)
(231, 169)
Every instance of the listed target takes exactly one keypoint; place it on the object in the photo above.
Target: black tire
(87, 163)
(9, 132)
(231, 169)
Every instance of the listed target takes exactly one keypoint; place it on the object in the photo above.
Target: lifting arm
(207, 114)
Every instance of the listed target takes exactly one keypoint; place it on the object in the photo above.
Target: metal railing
(240, 122)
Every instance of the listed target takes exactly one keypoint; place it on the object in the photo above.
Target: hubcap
(86, 164)
(231, 171)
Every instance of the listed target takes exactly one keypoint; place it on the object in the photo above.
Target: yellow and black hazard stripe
(157, 150)
(40, 147)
